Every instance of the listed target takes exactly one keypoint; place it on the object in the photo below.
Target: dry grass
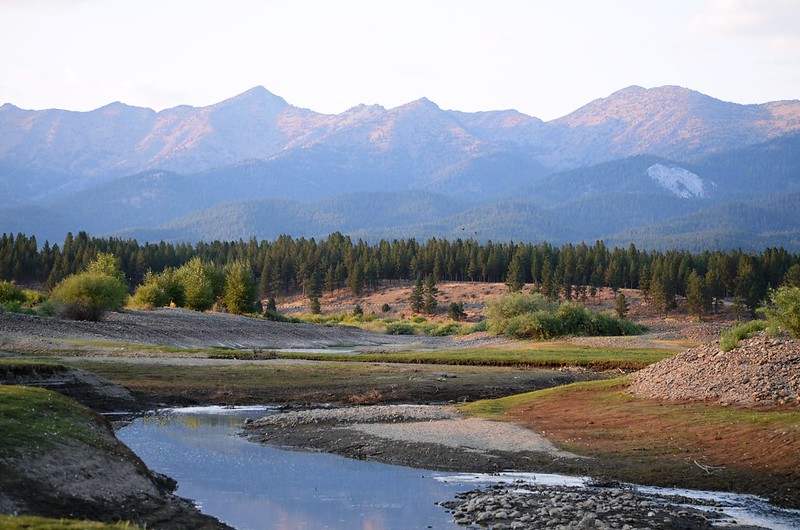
(654, 442)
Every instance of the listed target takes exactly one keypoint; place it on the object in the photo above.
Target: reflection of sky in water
(251, 486)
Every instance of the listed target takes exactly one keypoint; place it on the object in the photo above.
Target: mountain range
(661, 167)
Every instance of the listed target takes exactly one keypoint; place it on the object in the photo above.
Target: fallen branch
(708, 469)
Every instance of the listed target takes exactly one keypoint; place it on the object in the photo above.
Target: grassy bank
(317, 382)
(24, 522)
(34, 417)
(664, 443)
(536, 355)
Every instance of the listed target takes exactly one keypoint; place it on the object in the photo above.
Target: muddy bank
(93, 391)
(429, 437)
(59, 459)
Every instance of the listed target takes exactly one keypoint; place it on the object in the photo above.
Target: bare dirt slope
(191, 329)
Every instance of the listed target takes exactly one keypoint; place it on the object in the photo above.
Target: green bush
(783, 310)
(729, 340)
(88, 296)
(539, 325)
(483, 325)
(149, 296)
(399, 328)
(531, 316)
(10, 293)
(269, 314)
(240, 288)
(501, 310)
(443, 329)
(199, 281)
(33, 298)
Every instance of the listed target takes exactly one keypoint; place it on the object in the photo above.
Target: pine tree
(515, 278)
(621, 306)
(697, 297)
(416, 298)
(430, 292)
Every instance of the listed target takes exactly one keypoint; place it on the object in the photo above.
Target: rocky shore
(521, 506)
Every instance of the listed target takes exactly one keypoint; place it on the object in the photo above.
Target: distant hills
(661, 167)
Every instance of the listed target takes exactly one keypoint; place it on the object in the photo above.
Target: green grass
(550, 356)
(729, 340)
(25, 367)
(78, 347)
(524, 354)
(27, 522)
(37, 418)
(495, 408)
(613, 393)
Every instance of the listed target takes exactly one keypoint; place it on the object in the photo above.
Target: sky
(543, 58)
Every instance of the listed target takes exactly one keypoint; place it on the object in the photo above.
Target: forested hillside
(289, 265)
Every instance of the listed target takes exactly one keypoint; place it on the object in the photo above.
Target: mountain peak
(421, 103)
(257, 95)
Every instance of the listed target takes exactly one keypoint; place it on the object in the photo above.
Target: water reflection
(255, 487)
(250, 486)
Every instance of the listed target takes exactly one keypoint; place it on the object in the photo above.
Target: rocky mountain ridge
(618, 168)
(46, 150)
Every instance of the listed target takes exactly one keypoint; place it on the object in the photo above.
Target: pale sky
(543, 58)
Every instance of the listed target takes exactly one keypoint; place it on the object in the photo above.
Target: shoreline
(402, 435)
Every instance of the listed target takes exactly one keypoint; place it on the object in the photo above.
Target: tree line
(290, 265)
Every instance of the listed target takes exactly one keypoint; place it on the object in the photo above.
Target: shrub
(399, 328)
(730, 339)
(240, 288)
(533, 317)
(269, 314)
(10, 293)
(88, 296)
(443, 329)
(149, 296)
(540, 325)
(502, 309)
(198, 280)
(483, 325)
(33, 298)
(783, 310)
(456, 311)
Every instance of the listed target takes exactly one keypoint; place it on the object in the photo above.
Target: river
(250, 486)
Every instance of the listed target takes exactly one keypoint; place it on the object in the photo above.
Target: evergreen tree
(658, 296)
(313, 287)
(697, 297)
(430, 292)
(416, 299)
(792, 276)
(515, 277)
(456, 311)
(621, 306)
(356, 278)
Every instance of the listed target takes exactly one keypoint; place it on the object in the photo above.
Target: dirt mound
(763, 370)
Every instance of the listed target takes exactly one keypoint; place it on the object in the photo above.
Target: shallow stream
(250, 486)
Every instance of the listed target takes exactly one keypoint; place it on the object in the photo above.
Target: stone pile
(763, 370)
(522, 506)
